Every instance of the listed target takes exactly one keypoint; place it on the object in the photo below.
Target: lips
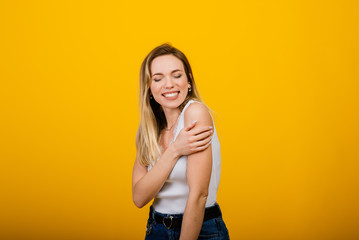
(170, 94)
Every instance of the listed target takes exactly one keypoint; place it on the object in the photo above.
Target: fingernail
(194, 121)
(211, 131)
(210, 127)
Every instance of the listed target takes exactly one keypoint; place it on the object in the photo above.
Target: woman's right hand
(191, 139)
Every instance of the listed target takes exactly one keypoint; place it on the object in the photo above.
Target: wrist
(173, 150)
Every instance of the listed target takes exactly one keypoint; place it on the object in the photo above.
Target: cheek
(184, 84)
(154, 89)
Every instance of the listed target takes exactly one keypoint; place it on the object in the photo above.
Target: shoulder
(197, 111)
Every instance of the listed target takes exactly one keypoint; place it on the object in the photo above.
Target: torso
(165, 139)
(172, 197)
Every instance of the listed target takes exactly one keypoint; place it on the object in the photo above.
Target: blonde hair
(152, 118)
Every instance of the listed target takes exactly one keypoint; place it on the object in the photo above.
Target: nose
(169, 82)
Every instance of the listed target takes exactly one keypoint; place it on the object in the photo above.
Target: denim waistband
(177, 215)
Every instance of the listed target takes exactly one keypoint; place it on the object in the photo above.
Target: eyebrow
(171, 72)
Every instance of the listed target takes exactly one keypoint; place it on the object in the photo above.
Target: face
(169, 83)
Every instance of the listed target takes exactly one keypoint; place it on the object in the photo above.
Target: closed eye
(156, 80)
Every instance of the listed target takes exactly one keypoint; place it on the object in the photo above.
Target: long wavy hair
(152, 117)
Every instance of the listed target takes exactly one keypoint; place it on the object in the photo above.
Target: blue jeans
(212, 229)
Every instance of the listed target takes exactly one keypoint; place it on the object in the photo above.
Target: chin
(172, 104)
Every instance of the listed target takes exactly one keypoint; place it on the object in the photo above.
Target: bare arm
(199, 167)
(146, 184)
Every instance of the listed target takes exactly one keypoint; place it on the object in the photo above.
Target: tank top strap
(180, 121)
(187, 105)
(181, 116)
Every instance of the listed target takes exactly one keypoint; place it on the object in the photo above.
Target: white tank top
(172, 198)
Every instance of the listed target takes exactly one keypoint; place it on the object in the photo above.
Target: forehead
(165, 64)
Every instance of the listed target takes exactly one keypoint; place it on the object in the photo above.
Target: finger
(191, 125)
(204, 146)
(203, 135)
(202, 142)
(199, 130)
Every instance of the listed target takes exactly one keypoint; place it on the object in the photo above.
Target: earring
(151, 97)
(189, 89)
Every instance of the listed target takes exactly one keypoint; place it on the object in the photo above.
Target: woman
(178, 158)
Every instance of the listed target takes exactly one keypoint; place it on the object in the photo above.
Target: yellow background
(282, 77)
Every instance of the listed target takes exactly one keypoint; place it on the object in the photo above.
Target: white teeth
(170, 94)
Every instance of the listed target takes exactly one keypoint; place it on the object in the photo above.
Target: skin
(194, 141)
(199, 167)
(168, 75)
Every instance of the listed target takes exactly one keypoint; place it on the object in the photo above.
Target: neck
(171, 116)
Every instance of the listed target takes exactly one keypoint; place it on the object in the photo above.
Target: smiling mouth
(170, 94)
